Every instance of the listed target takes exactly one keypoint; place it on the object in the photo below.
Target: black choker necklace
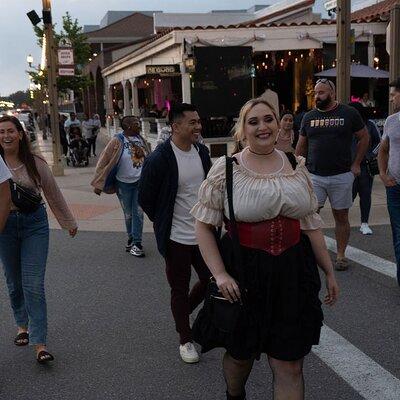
(262, 154)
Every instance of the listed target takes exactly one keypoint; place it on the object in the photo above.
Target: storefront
(219, 69)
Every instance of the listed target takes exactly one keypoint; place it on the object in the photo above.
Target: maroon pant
(179, 259)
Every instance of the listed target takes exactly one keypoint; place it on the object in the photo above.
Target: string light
(290, 53)
(266, 55)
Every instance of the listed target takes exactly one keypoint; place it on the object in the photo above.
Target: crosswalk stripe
(362, 373)
(366, 259)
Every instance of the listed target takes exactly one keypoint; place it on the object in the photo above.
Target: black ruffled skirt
(282, 317)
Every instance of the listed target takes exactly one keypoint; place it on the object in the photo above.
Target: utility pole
(343, 50)
(58, 169)
(394, 66)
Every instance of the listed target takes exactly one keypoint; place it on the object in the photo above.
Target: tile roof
(376, 12)
(134, 25)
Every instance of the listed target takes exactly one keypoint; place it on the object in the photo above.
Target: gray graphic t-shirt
(391, 132)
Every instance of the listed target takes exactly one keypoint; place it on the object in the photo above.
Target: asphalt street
(111, 330)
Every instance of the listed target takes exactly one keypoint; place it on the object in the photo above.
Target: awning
(358, 71)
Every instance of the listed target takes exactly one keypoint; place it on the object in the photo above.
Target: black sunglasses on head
(325, 80)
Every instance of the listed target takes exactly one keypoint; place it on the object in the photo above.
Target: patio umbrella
(357, 71)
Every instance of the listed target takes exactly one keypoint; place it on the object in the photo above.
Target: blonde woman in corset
(281, 243)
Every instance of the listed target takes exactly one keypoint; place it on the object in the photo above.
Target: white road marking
(368, 260)
(362, 373)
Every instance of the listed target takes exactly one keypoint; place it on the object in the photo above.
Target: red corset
(273, 236)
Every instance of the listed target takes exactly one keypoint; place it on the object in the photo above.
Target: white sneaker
(137, 250)
(188, 353)
(365, 229)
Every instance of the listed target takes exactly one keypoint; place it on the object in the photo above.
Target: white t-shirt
(132, 159)
(87, 128)
(5, 173)
(191, 175)
(391, 132)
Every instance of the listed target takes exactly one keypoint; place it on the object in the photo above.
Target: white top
(5, 173)
(191, 175)
(87, 128)
(69, 124)
(258, 197)
(132, 159)
(391, 132)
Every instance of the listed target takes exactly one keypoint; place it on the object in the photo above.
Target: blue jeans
(128, 196)
(24, 245)
(393, 204)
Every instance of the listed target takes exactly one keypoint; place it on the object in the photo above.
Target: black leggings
(362, 186)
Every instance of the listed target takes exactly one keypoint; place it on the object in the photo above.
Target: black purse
(25, 199)
(220, 313)
(372, 166)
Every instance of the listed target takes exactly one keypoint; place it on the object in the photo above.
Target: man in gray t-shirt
(5, 175)
(389, 168)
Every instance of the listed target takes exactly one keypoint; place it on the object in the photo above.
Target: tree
(74, 32)
(18, 98)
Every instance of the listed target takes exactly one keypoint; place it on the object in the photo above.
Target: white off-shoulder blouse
(258, 197)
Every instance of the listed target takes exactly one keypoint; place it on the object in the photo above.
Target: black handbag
(220, 313)
(25, 199)
(372, 166)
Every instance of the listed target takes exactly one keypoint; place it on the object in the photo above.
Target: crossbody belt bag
(25, 199)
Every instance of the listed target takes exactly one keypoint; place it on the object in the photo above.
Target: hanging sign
(69, 71)
(65, 56)
(162, 69)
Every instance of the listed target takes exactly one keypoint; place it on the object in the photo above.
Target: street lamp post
(58, 169)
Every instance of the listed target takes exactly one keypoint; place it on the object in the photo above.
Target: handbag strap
(237, 262)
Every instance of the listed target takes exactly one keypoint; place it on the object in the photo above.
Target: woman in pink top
(24, 241)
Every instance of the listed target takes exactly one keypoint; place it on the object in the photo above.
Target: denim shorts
(337, 188)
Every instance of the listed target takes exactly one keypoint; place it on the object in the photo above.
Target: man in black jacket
(168, 189)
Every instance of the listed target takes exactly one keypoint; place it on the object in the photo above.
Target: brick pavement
(103, 213)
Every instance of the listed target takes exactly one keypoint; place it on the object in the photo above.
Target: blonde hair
(240, 124)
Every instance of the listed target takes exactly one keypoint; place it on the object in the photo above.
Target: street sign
(70, 71)
(65, 56)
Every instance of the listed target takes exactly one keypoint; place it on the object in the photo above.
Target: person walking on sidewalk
(24, 241)
(326, 138)
(118, 171)
(168, 190)
(362, 185)
(277, 233)
(285, 139)
(5, 198)
(96, 123)
(71, 122)
(389, 168)
(87, 131)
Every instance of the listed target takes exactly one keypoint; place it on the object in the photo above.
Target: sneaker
(188, 353)
(137, 250)
(365, 229)
(342, 264)
(129, 245)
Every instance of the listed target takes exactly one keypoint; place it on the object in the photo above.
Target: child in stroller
(78, 148)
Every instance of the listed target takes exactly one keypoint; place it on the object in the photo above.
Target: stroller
(78, 149)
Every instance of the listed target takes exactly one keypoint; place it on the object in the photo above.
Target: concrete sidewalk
(103, 213)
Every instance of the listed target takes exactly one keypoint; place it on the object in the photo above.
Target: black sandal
(44, 357)
(22, 339)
